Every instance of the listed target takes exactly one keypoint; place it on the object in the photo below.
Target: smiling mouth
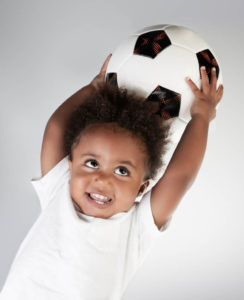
(99, 199)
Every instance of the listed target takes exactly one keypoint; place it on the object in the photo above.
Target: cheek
(128, 191)
(77, 182)
(79, 174)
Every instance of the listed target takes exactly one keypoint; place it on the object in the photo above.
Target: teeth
(98, 197)
(99, 202)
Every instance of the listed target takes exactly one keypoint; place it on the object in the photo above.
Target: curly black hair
(126, 110)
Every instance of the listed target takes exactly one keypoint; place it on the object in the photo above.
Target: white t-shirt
(68, 255)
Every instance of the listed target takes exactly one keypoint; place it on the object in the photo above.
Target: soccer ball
(154, 63)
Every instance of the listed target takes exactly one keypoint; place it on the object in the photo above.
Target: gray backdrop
(49, 49)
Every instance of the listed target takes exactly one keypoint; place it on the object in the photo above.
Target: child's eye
(122, 171)
(91, 163)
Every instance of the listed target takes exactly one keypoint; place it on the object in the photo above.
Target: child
(92, 236)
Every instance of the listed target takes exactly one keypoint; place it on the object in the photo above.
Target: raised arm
(187, 158)
(52, 150)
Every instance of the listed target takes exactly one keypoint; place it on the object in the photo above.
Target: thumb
(219, 93)
(105, 64)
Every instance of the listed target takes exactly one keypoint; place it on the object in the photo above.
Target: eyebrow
(123, 162)
(90, 154)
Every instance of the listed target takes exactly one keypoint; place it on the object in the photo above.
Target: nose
(103, 178)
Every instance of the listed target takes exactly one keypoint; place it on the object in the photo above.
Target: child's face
(108, 163)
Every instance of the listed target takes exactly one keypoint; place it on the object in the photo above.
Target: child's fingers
(192, 85)
(219, 93)
(213, 81)
(205, 79)
(105, 64)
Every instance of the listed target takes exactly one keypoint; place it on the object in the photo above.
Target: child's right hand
(99, 79)
(206, 98)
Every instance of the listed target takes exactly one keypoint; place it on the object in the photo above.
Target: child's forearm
(63, 112)
(53, 148)
(188, 156)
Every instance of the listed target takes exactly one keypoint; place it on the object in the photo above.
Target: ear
(143, 187)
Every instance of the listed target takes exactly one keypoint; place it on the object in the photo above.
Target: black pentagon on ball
(169, 102)
(112, 79)
(206, 58)
(151, 43)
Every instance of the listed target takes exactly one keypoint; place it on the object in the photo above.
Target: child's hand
(207, 97)
(99, 79)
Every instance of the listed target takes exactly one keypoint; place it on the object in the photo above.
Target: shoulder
(46, 186)
(146, 215)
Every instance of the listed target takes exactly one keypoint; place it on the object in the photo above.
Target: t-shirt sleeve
(47, 186)
(148, 230)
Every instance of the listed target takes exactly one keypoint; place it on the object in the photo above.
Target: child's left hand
(206, 98)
